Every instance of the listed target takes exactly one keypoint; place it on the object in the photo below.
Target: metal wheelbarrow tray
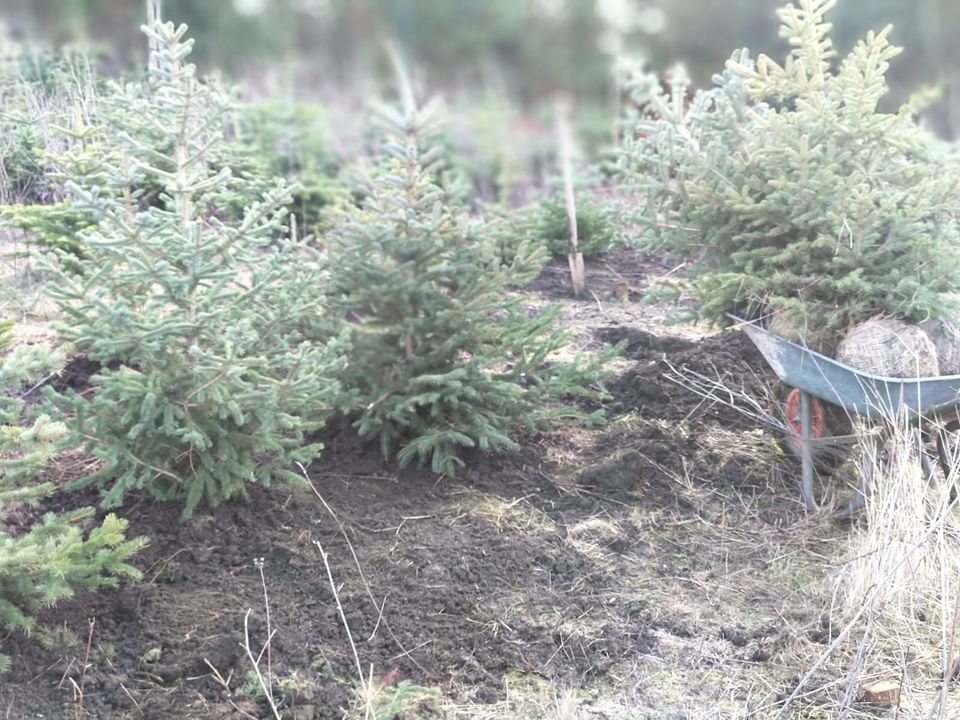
(860, 393)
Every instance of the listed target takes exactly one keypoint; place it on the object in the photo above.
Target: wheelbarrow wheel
(805, 424)
(791, 412)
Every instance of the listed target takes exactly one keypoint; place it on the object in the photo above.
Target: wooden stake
(402, 74)
(154, 17)
(565, 140)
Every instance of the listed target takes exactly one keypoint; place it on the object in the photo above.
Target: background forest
(524, 50)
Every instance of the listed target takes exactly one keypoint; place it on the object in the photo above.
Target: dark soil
(449, 597)
(76, 374)
(729, 358)
(617, 272)
(439, 571)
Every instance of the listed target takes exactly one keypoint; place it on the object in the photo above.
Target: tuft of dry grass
(893, 616)
(890, 589)
(21, 293)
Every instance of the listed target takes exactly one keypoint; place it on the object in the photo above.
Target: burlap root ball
(890, 348)
(785, 324)
(792, 326)
(946, 340)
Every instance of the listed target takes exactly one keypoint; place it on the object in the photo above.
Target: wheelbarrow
(814, 377)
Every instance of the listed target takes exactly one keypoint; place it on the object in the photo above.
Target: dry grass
(21, 292)
(745, 561)
(888, 589)
(504, 513)
(895, 597)
(848, 605)
(527, 697)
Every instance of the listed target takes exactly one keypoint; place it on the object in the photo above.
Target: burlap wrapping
(785, 324)
(946, 340)
(889, 347)
(792, 326)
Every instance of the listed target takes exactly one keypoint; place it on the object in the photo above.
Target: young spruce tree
(59, 554)
(443, 355)
(202, 324)
(786, 188)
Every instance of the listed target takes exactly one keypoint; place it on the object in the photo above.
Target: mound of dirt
(729, 358)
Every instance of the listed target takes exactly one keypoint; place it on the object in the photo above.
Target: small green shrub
(785, 188)
(495, 149)
(204, 325)
(597, 230)
(41, 94)
(24, 165)
(59, 554)
(291, 141)
(443, 355)
(57, 226)
(509, 231)
(291, 137)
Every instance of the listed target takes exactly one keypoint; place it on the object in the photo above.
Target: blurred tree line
(702, 34)
(526, 49)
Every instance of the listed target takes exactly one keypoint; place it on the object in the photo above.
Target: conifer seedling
(444, 356)
(206, 328)
(788, 188)
(59, 554)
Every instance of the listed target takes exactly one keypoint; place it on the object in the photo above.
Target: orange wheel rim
(792, 413)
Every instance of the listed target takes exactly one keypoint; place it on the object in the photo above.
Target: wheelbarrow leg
(868, 461)
(806, 452)
(929, 474)
(871, 453)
